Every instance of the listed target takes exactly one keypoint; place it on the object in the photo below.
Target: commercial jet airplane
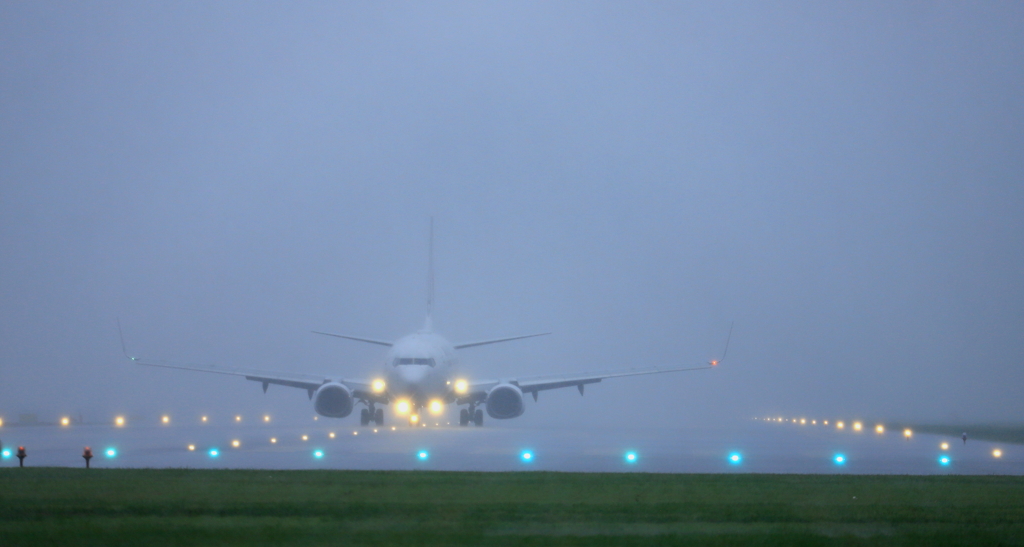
(420, 373)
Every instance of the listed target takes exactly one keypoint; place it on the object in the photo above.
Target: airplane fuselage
(419, 368)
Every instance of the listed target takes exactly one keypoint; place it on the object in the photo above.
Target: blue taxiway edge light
(6, 453)
(735, 458)
(944, 460)
(214, 452)
(839, 459)
(631, 457)
(318, 454)
(526, 456)
(110, 452)
(422, 455)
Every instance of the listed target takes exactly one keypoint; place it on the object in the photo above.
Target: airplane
(420, 372)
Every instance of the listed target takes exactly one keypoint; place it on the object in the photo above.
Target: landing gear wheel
(463, 417)
(378, 416)
(478, 417)
(364, 417)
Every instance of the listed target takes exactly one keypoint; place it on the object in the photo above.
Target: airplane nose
(414, 373)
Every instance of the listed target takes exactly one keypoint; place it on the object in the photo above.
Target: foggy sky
(842, 180)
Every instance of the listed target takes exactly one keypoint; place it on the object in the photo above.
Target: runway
(742, 447)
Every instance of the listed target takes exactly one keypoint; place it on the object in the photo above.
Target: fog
(840, 180)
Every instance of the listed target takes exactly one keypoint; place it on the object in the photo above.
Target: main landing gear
(472, 414)
(375, 415)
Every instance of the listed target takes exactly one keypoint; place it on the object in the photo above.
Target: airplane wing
(309, 382)
(477, 390)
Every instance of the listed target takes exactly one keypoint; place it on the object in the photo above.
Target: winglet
(715, 362)
(121, 334)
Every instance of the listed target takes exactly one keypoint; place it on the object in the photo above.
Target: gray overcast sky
(842, 180)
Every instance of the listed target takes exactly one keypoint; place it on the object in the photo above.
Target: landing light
(414, 419)
(461, 386)
(111, 452)
(527, 456)
(377, 386)
(735, 458)
(436, 407)
(630, 457)
(65, 421)
(839, 459)
(908, 433)
(422, 455)
(402, 407)
(944, 460)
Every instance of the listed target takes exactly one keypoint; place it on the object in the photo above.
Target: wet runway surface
(752, 447)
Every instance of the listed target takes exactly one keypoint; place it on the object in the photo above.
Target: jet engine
(333, 400)
(505, 401)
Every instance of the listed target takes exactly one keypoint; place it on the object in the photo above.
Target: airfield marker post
(87, 454)
(21, 456)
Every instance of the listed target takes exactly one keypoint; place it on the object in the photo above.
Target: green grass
(57, 506)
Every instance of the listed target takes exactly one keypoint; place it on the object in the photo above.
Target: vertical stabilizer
(428, 326)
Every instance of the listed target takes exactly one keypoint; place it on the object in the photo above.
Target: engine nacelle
(505, 401)
(333, 400)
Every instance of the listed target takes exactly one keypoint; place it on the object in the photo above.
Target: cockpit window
(413, 361)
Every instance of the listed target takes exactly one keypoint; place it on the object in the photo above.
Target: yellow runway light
(273, 440)
(461, 386)
(266, 418)
(814, 422)
(165, 419)
(857, 426)
(997, 453)
(840, 425)
(374, 430)
(825, 422)
(402, 407)
(1, 422)
(238, 418)
(436, 407)
(204, 418)
(392, 428)
(803, 421)
(908, 433)
(305, 437)
(65, 421)
(944, 446)
(355, 432)
(191, 447)
(879, 429)
(331, 434)
(378, 386)
(236, 443)
(119, 421)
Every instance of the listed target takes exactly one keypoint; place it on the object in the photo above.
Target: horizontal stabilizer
(495, 341)
(356, 338)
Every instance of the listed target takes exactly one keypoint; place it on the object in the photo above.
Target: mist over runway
(744, 447)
